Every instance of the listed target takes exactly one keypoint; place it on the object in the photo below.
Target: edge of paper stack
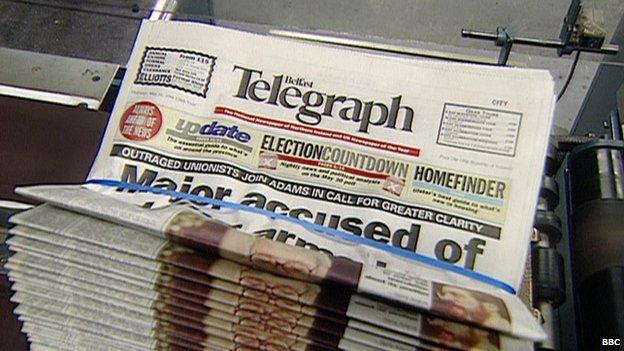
(93, 272)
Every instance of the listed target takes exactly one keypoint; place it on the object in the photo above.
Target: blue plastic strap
(313, 227)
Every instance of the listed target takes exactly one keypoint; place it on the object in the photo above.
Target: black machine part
(548, 283)
(549, 191)
(548, 287)
(549, 224)
(550, 163)
(595, 181)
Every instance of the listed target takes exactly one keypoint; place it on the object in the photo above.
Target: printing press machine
(62, 64)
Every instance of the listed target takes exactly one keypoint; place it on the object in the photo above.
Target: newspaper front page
(440, 159)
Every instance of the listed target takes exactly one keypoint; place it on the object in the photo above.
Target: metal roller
(549, 191)
(548, 223)
(596, 184)
(547, 270)
(550, 164)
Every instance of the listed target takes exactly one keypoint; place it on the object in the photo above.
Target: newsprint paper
(441, 159)
(84, 263)
(332, 287)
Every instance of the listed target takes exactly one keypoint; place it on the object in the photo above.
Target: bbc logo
(611, 342)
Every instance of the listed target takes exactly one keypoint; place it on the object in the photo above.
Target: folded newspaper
(150, 290)
(254, 192)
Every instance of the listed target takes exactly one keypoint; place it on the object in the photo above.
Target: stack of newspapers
(257, 193)
(92, 272)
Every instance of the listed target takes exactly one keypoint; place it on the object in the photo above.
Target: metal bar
(567, 29)
(607, 49)
(616, 126)
(474, 34)
(57, 98)
(394, 49)
(503, 56)
(546, 43)
(58, 79)
(619, 97)
(163, 10)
